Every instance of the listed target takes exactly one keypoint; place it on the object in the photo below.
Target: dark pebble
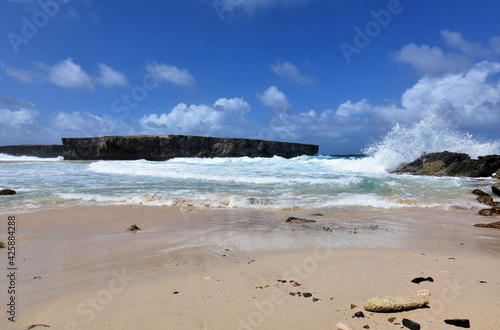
(366, 327)
(421, 279)
(315, 299)
(359, 314)
(298, 220)
(292, 293)
(176, 292)
(391, 319)
(483, 282)
(462, 323)
(38, 325)
(133, 228)
(411, 325)
(307, 295)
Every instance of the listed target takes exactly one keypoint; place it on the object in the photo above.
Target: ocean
(330, 183)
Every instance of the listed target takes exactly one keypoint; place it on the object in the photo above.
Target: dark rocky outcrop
(480, 192)
(496, 189)
(36, 150)
(163, 147)
(493, 212)
(494, 225)
(7, 192)
(452, 164)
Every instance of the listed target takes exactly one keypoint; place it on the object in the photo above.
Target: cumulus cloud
(290, 71)
(495, 44)
(16, 118)
(67, 74)
(224, 117)
(109, 77)
(171, 74)
(456, 40)
(12, 102)
(468, 101)
(275, 99)
(25, 76)
(431, 60)
(86, 124)
(17, 121)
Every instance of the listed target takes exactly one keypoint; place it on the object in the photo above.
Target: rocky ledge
(163, 147)
(452, 164)
(36, 150)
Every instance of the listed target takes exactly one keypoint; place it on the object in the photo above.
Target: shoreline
(67, 256)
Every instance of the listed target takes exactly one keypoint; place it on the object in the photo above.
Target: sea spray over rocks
(405, 143)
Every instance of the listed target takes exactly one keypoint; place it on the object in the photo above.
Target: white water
(306, 182)
(432, 134)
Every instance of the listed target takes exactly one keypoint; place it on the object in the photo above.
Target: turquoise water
(307, 182)
(276, 183)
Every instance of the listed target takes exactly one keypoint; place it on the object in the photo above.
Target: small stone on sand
(388, 304)
(133, 228)
(423, 293)
(342, 326)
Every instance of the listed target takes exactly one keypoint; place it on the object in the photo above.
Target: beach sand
(79, 268)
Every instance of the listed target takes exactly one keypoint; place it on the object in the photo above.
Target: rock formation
(7, 192)
(37, 150)
(496, 189)
(163, 147)
(452, 164)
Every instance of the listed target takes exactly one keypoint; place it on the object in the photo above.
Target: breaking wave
(432, 134)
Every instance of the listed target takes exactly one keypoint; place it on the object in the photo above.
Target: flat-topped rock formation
(162, 147)
(452, 164)
(37, 150)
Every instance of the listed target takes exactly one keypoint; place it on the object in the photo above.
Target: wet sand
(79, 268)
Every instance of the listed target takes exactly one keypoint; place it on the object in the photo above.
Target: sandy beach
(79, 268)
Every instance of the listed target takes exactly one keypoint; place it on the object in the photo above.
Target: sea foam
(405, 143)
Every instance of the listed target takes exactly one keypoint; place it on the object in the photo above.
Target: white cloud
(224, 117)
(431, 60)
(290, 71)
(109, 77)
(348, 109)
(170, 73)
(456, 40)
(67, 74)
(468, 101)
(14, 119)
(85, 124)
(495, 44)
(11, 102)
(275, 99)
(25, 76)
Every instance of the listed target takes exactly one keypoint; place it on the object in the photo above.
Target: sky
(337, 73)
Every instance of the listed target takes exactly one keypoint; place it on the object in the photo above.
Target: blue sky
(336, 73)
